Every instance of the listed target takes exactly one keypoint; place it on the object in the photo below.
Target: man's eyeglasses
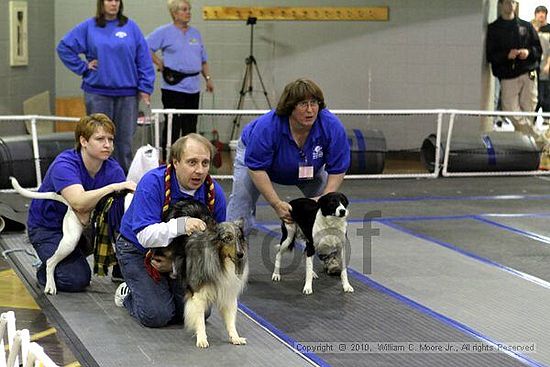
(303, 105)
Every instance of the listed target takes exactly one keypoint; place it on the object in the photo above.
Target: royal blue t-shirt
(68, 169)
(146, 206)
(271, 148)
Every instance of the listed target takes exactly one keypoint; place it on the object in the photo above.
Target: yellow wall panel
(379, 13)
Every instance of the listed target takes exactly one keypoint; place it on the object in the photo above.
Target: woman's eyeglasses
(303, 105)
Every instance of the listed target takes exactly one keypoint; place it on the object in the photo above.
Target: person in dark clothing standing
(514, 51)
(543, 29)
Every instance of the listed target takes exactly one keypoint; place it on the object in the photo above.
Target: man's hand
(523, 53)
(162, 263)
(194, 225)
(513, 54)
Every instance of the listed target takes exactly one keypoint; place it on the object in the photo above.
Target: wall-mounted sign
(19, 50)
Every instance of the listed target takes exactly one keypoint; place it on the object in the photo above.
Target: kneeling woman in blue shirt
(300, 143)
(82, 176)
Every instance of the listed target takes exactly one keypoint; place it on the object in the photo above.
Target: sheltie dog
(213, 268)
(323, 225)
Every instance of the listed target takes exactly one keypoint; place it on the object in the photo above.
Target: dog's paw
(50, 289)
(307, 290)
(276, 277)
(348, 288)
(237, 340)
(202, 343)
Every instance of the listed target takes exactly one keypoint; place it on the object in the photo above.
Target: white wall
(22, 82)
(527, 8)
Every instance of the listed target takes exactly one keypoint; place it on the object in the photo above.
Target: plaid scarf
(106, 223)
(210, 201)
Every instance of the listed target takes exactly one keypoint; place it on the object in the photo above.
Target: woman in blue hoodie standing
(117, 70)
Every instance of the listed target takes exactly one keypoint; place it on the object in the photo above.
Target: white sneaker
(121, 293)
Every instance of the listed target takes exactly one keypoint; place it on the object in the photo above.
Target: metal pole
(36, 152)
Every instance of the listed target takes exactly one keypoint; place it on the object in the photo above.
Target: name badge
(305, 172)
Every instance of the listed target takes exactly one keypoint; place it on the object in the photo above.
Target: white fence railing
(441, 116)
(19, 346)
(34, 134)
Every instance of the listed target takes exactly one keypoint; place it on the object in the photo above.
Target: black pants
(544, 95)
(181, 124)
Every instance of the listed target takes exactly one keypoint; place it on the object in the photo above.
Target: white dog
(72, 230)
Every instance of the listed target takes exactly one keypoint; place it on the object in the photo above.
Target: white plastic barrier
(440, 165)
(7, 333)
(36, 152)
(441, 116)
(437, 114)
(37, 358)
(19, 346)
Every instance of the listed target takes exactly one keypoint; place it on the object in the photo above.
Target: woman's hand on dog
(162, 263)
(125, 185)
(283, 209)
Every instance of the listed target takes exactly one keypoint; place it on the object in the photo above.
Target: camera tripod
(246, 86)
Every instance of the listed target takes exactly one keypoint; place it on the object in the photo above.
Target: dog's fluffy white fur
(72, 230)
(323, 226)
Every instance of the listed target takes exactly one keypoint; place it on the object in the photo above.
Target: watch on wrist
(208, 77)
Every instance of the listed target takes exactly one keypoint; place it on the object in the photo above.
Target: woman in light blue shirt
(183, 59)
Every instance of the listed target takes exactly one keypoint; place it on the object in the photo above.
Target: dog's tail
(36, 195)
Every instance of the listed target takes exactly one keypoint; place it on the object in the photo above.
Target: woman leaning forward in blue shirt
(299, 143)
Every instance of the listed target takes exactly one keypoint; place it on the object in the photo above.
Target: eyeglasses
(303, 105)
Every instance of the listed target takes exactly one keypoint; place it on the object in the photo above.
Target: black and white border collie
(323, 225)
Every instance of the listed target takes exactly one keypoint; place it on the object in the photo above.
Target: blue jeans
(124, 112)
(152, 304)
(244, 194)
(72, 274)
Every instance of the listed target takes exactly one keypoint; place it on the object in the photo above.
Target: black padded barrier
(493, 151)
(368, 151)
(16, 156)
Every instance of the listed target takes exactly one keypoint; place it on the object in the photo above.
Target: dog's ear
(240, 223)
(322, 200)
(344, 200)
